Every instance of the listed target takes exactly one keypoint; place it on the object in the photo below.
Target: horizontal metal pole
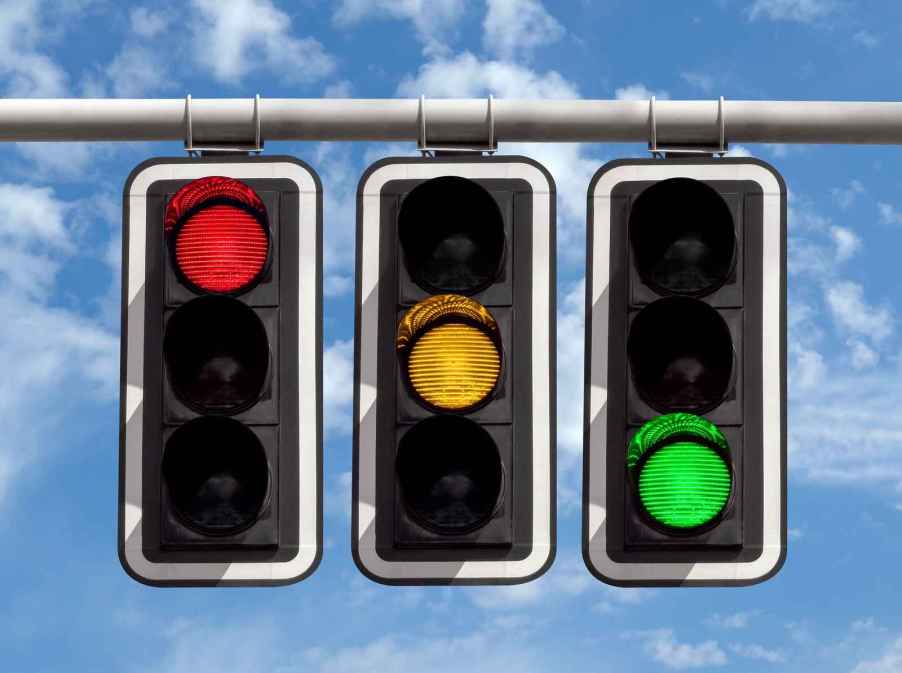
(450, 121)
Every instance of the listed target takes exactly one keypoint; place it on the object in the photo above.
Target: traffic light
(685, 395)
(220, 422)
(454, 371)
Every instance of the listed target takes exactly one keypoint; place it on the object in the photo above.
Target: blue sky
(65, 603)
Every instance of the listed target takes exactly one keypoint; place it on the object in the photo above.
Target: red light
(221, 235)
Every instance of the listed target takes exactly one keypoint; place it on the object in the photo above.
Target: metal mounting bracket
(704, 150)
(423, 145)
(196, 150)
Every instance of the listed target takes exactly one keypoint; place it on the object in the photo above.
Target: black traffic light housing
(685, 392)
(454, 371)
(221, 404)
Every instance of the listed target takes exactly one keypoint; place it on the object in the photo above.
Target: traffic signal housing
(220, 422)
(685, 392)
(453, 477)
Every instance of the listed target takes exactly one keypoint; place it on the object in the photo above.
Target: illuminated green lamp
(679, 463)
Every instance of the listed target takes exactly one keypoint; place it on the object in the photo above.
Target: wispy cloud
(515, 28)
(850, 310)
(433, 20)
(803, 11)
(662, 646)
(846, 196)
(889, 662)
(866, 38)
(25, 68)
(758, 652)
(233, 39)
(638, 91)
(49, 350)
(698, 80)
(735, 620)
(888, 213)
(338, 386)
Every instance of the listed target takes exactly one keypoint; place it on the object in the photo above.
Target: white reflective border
(541, 376)
(771, 358)
(307, 351)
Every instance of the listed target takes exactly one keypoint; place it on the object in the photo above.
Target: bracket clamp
(193, 149)
(660, 150)
(424, 146)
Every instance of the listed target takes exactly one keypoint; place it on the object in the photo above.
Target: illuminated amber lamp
(450, 347)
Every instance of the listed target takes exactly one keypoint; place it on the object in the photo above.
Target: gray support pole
(450, 121)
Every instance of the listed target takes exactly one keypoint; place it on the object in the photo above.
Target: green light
(684, 483)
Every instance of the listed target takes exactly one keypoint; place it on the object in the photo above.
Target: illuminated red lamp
(218, 234)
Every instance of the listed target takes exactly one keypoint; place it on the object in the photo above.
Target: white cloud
(803, 216)
(736, 620)
(889, 214)
(568, 577)
(808, 368)
(815, 245)
(49, 351)
(487, 650)
(432, 19)
(846, 302)
(845, 196)
(565, 579)
(890, 662)
(140, 68)
(511, 597)
(137, 71)
(341, 89)
(800, 632)
(466, 76)
(866, 38)
(758, 652)
(699, 80)
(335, 285)
(846, 241)
(110, 303)
(803, 11)
(66, 161)
(35, 238)
(638, 91)
(338, 386)
(570, 382)
(866, 625)
(829, 400)
(847, 429)
(738, 151)
(235, 38)
(192, 646)
(338, 496)
(198, 647)
(779, 150)
(27, 71)
(147, 22)
(339, 174)
(863, 356)
(33, 215)
(662, 646)
(618, 598)
(816, 249)
(515, 28)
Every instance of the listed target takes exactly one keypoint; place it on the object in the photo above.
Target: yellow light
(453, 361)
